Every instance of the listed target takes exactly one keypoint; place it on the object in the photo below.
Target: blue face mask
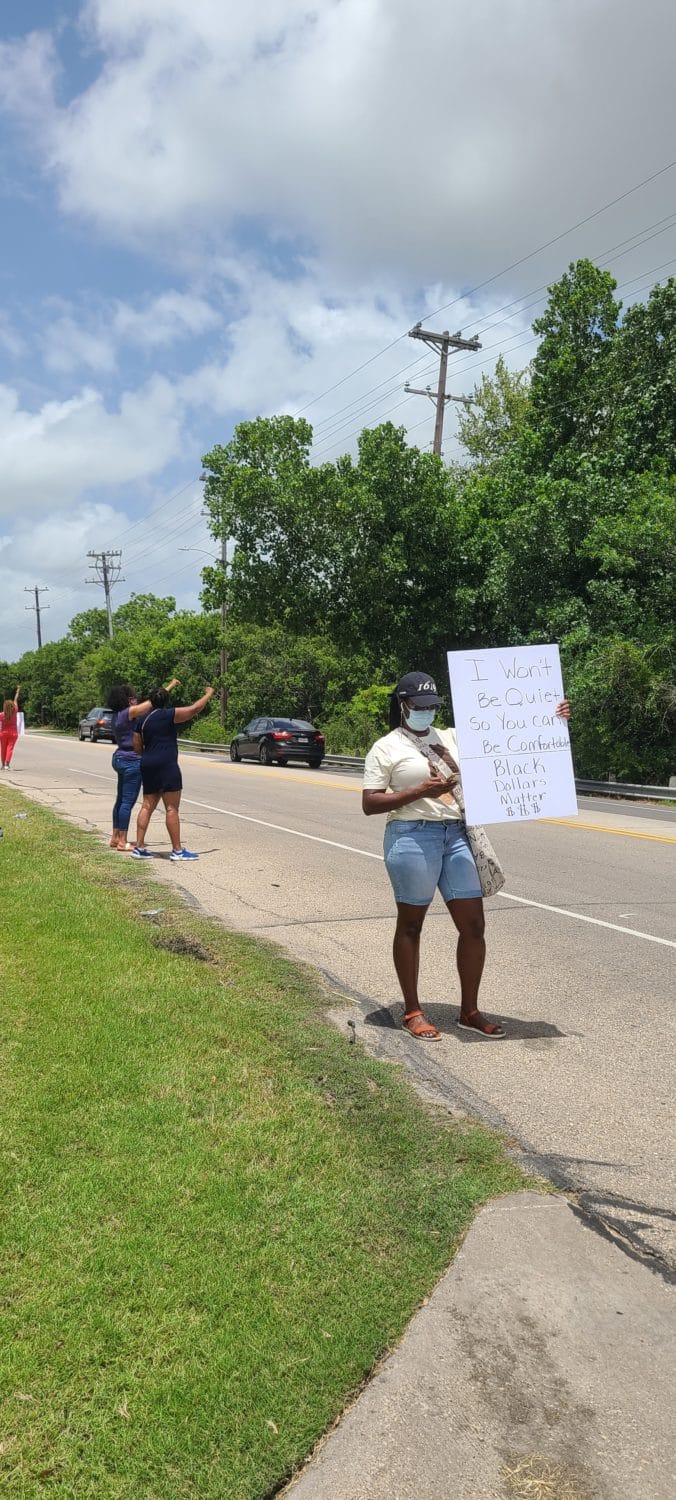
(420, 718)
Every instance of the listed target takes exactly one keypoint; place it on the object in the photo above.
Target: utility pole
(37, 609)
(224, 621)
(441, 343)
(107, 572)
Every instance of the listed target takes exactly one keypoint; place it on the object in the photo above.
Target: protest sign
(514, 753)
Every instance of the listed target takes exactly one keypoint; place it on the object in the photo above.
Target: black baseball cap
(420, 688)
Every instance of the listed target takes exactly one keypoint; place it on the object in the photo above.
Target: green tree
(496, 420)
(382, 551)
(644, 372)
(571, 395)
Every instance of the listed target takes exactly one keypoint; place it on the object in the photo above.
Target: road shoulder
(541, 1355)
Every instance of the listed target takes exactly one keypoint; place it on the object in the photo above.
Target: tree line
(560, 525)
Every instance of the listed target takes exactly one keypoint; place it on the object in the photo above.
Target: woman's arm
(16, 695)
(136, 709)
(383, 802)
(181, 715)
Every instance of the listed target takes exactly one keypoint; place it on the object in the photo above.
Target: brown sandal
(489, 1029)
(425, 1032)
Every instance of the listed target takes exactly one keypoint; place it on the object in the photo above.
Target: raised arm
(16, 695)
(181, 715)
(136, 709)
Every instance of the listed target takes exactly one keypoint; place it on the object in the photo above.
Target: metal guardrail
(585, 788)
(626, 789)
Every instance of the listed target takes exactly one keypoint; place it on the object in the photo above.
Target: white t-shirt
(394, 764)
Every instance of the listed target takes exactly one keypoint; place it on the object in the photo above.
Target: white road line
(560, 911)
(313, 837)
(244, 818)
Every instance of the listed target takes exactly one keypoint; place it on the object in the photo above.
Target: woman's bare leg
(146, 810)
(172, 802)
(406, 954)
(468, 916)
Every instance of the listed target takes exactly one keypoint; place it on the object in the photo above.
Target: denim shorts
(421, 856)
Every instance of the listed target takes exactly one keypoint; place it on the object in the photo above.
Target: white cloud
(290, 340)
(52, 552)
(68, 447)
(164, 319)
(436, 139)
(10, 339)
(93, 337)
(69, 346)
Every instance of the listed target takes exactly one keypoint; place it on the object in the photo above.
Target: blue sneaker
(182, 854)
(141, 854)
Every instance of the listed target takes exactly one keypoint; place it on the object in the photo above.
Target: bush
(208, 728)
(623, 697)
(352, 728)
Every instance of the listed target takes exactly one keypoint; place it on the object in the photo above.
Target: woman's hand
(175, 682)
(563, 709)
(209, 692)
(435, 786)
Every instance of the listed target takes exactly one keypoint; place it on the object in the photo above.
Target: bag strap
(430, 755)
(143, 725)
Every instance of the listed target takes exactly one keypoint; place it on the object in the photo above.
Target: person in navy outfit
(157, 743)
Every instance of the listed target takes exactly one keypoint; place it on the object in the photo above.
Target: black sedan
(97, 725)
(282, 740)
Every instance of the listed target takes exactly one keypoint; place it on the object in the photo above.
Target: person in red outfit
(9, 728)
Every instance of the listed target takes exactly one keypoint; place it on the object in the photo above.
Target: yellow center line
(625, 833)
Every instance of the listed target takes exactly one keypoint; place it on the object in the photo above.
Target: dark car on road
(97, 725)
(282, 740)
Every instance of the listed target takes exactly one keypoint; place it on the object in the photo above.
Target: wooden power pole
(37, 609)
(107, 571)
(441, 343)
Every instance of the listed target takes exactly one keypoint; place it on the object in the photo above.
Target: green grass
(215, 1213)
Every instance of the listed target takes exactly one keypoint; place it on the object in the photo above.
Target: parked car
(279, 739)
(97, 725)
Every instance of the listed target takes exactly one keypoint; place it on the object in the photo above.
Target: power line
(489, 280)
(186, 524)
(471, 363)
(158, 508)
(641, 237)
(555, 240)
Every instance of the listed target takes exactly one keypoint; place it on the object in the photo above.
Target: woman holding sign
(426, 847)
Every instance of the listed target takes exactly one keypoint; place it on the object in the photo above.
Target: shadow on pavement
(445, 1018)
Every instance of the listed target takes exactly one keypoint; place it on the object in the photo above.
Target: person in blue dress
(161, 779)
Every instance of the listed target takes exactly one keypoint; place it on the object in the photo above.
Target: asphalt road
(581, 956)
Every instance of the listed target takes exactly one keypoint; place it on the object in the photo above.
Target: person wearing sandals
(426, 848)
(126, 763)
(157, 744)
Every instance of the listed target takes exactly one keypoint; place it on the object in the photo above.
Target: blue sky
(212, 211)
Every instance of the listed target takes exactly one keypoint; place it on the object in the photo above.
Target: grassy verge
(215, 1213)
